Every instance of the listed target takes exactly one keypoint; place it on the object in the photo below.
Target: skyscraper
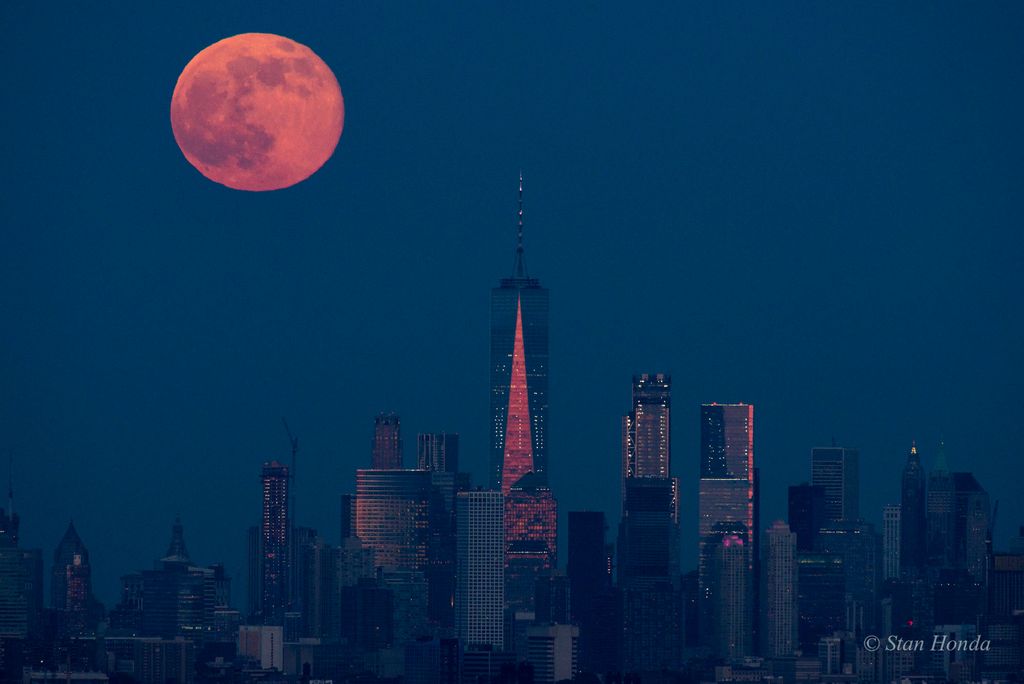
(806, 513)
(858, 544)
(727, 506)
(275, 535)
(438, 451)
(646, 434)
(780, 592)
(891, 541)
(480, 563)
(531, 535)
(837, 469)
(913, 525)
(648, 575)
(519, 372)
(393, 516)
(971, 526)
(940, 513)
(71, 584)
(588, 567)
(821, 597)
(386, 446)
(595, 605)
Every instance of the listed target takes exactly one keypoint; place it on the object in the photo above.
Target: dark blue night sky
(814, 207)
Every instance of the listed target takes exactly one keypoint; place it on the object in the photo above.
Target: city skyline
(505, 341)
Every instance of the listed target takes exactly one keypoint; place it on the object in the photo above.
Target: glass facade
(393, 516)
(519, 342)
(837, 470)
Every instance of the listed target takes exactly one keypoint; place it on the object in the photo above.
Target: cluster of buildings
(436, 579)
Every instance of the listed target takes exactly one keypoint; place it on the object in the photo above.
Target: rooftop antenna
(520, 263)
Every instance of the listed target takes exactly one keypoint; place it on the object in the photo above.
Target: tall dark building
(821, 597)
(519, 373)
(588, 567)
(438, 451)
(21, 583)
(648, 575)
(860, 547)
(594, 605)
(806, 513)
(275, 538)
(727, 509)
(913, 520)
(646, 431)
(940, 513)
(386, 447)
(971, 525)
(837, 469)
(71, 585)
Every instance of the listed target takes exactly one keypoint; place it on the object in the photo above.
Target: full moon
(257, 112)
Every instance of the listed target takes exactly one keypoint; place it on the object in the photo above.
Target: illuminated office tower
(646, 434)
(480, 568)
(837, 469)
(438, 451)
(386, 446)
(780, 593)
(519, 373)
(531, 534)
(393, 516)
(913, 521)
(891, 542)
(940, 513)
(727, 505)
(275, 536)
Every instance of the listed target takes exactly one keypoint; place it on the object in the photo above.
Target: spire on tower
(520, 269)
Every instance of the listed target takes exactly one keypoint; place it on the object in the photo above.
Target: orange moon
(257, 112)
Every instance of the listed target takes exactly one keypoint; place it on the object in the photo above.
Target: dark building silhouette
(860, 548)
(275, 540)
(913, 521)
(821, 597)
(348, 516)
(438, 451)
(806, 513)
(648, 576)
(595, 606)
(940, 514)
(971, 524)
(177, 598)
(588, 566)
(21, 582)
(386, 447)
(519, 373)
(553, 600)
(837, 469)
